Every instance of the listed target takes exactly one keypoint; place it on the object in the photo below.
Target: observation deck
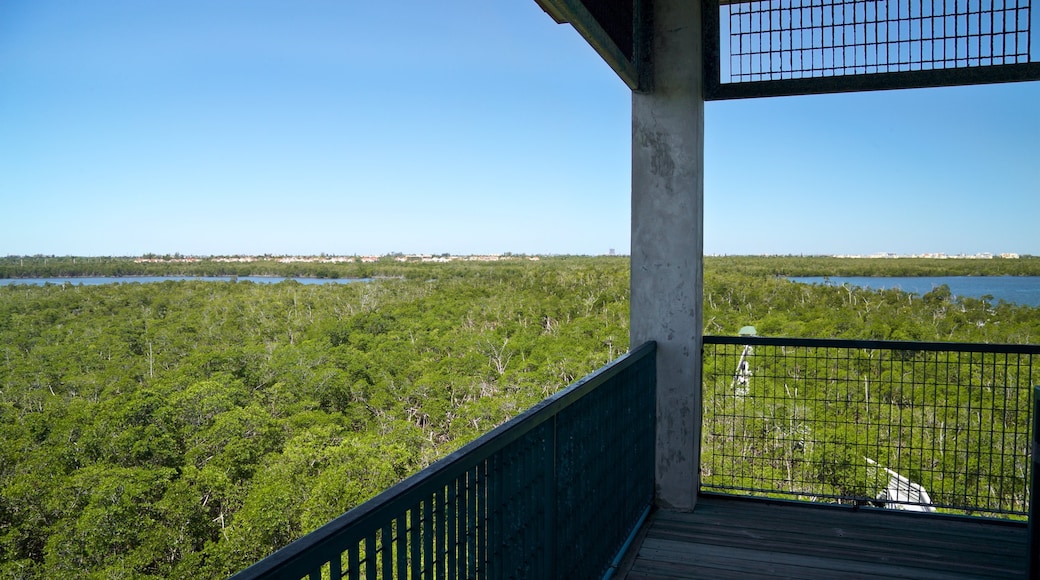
(567, 489)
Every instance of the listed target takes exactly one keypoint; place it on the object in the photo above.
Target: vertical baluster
(512, 500)
(480, 521)
(505, 509)
(371, 570)
(465, 569)
(353, 562)
(415, 533)
(401, 545)
(335, 567)
(427, 543)
(524, 509)
(549, 491)
(452, 521)
(386, 545)
(440, 535)
(600, 413)
(528, 556)
(493, 556)
(538, 510)
(596, 414)
(520, 506)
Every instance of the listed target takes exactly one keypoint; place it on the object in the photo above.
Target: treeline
(387, 266)
(187, 429)
(779, 307)
(900, 267)
(73, 267)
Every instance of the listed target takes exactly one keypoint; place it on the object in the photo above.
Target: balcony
(836, 458)
(819, 458)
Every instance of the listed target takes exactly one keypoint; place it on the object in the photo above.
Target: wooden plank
(892, 540)
(649, 570)
(854, 553)
(830, 512)
(733, 505)
(751, 561)
(884, 545)
(875, 521)
(736, 537)
(936, 532)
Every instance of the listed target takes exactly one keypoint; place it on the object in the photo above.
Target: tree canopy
(186, 429)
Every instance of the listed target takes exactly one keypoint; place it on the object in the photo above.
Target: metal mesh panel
(895, 425)
(792, 39)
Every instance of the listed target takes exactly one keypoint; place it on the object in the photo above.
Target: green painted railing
(556, 492)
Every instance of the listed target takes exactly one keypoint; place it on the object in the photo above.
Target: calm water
(1023, 290)
(146, 279)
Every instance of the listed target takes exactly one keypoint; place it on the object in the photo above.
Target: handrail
(518, 500)
(904, 345)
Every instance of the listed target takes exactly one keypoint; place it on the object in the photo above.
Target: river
(1021, 290)
(97, 281)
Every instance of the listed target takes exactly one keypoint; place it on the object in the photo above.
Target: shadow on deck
(728, 537)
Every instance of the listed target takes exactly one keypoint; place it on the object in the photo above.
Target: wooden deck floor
(743, 538)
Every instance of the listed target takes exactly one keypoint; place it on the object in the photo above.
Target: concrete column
(668, 242)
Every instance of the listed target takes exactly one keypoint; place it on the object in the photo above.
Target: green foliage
(779, 307)
(758, 267)
(186, 429)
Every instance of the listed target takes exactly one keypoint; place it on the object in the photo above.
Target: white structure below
(903, 494)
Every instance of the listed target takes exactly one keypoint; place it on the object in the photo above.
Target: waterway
(97, 281)
(1021, 290)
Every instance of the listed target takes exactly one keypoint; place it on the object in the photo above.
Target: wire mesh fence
(792, 39)
(917, 426)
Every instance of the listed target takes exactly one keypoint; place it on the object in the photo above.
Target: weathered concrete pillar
(668, 243)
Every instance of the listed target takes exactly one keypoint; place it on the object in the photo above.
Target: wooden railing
(556, 492)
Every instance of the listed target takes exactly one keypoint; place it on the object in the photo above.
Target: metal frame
(932, 425)
(928, 74)
(634, 67)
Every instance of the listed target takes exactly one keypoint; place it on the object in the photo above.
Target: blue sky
(461, 126)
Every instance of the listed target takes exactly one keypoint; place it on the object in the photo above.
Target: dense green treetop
(187, 429)
(832, 266)
(70, 266)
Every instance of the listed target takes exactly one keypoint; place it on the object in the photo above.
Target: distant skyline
(461, 127)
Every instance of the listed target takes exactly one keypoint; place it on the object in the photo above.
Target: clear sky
(462, 126)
